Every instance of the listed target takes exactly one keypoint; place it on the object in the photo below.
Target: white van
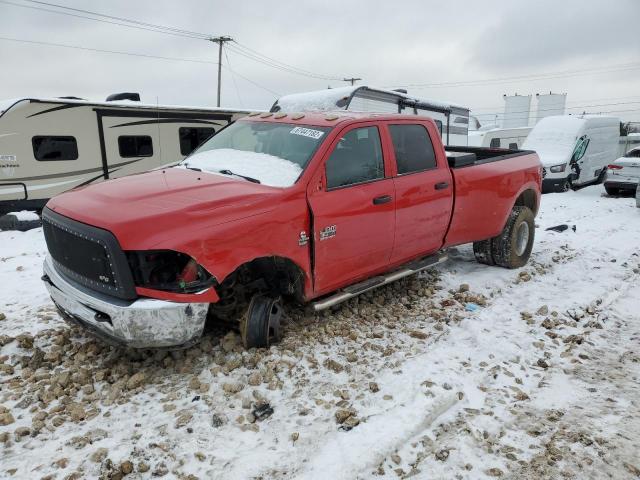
(574, 149)
(511, 138)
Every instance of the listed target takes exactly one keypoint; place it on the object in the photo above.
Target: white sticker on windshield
(307, 132)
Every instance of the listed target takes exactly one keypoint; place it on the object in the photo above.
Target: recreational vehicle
(452, 120)
(48, 146)
(511, 138)
(574, 150)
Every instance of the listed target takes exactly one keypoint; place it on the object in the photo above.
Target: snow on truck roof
(7, 104)
(339, 98)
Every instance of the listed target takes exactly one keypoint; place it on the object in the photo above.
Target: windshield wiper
(229, 172)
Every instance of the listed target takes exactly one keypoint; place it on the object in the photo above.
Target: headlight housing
(169, 271)
(558, 168)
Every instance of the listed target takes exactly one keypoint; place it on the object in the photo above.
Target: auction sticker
(307, 132)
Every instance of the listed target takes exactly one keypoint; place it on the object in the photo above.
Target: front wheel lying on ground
(260, 325)
(512, 248)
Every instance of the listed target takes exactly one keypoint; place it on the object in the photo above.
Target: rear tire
(483, 252)
(260, 326)
(512, 248)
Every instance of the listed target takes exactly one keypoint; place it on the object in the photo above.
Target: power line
(280, 66)
(233, 77)
(130, 23)
(541, 76)
(249, 52)
(207, 62)
(579, 102)
(163, 27)
(577, 107)
(251, 81)
(51, 44)
(601, 112)
(138, 27)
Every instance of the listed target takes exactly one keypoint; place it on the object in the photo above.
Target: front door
(353, 211)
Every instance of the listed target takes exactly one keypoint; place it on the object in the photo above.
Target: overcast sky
(385, 43)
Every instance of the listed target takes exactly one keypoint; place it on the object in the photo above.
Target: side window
(192, 137)
(52, 149)
(357, 158)
(135, 146)
(413, 147)
(495, 143)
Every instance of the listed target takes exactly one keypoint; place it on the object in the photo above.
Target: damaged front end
(138, 299)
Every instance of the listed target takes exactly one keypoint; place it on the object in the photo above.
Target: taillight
(613, 166)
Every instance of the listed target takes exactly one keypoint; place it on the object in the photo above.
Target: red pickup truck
(312, 207)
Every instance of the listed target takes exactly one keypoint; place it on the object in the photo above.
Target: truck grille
(88, 255)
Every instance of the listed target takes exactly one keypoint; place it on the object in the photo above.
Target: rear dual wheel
(512, 248)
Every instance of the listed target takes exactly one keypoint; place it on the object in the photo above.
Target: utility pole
(352, 80)
(220, 41)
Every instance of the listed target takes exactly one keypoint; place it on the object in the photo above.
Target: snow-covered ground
(466, 372)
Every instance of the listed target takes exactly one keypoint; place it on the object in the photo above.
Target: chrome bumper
(143, 323)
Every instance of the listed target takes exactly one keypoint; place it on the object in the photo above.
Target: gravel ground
(465, 371)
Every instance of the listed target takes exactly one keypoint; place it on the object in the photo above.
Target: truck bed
(459, 157)
(483, 178)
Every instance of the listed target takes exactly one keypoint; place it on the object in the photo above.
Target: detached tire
(260, 326)
(512, 248)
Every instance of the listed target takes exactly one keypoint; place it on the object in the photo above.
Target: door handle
(382, 199)
(441, 185)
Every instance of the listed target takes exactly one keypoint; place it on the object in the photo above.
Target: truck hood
(141, 210)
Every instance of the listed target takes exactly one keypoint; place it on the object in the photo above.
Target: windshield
(271, 153)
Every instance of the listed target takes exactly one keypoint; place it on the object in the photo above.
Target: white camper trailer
(48, 146)
(452, 120)
(574, 150)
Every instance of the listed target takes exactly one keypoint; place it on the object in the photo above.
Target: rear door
(424, 190)
(352, 202)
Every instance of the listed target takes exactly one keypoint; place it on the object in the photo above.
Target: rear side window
(413, 148)
(192, 137)
(135, 146)
(52, 149)
(357, 158)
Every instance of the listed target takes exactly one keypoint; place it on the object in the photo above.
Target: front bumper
(142, 323)
(621, 183)
(550, 185)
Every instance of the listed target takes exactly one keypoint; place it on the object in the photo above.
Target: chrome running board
(375, 282)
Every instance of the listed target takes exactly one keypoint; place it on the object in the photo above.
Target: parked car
(575, 150)
(50, 145)
(624, 173)
(315, 207)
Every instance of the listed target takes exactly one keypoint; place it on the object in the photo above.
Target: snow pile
(270, 170)
(25, 216)
(321, 100)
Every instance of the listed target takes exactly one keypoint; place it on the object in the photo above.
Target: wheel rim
(522, 238)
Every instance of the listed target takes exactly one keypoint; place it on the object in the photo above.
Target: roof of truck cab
(326, 119)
